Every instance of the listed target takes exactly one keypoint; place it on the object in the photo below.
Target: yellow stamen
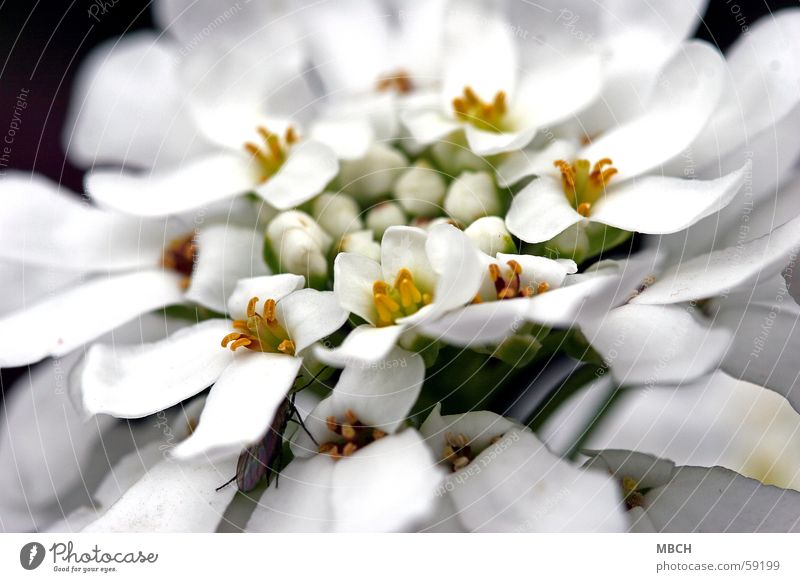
(399, 82)
(273, 153)
(259, 333)
(489, 116)
(585, 184)
(399, 300)
(542, 287)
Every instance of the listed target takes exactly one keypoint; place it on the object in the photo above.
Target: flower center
(259, 332)
(488, 116)
(632, 496)
(271, 155)
(399, 81)
(354, 435)
(510, 285)
(180, 256)
(585, 184)
(400, 300)
(457, 451)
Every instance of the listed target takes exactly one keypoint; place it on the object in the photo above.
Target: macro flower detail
(403, 266)
(582, 186)
(259, 332)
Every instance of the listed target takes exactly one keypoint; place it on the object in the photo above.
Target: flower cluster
(345, 218)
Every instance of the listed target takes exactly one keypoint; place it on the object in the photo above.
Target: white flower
(374, 58)
(484, 93)
(666, 498)
(128, 266)
(208, 137)
(687, 319)
(504, 479)
(49, 461)
(606, 181)
(517, 289)
(357, 468)
(754, 120)
(716, 421)
(421, 276)
(633, 41)
(249, 380)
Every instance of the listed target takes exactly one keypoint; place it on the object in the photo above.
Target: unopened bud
(374, 175)
(471, 196)
(490, 235)
(383, 215)
(362, 243)
(337, 214)
(295, 243)
(455, 158)
(420, 190)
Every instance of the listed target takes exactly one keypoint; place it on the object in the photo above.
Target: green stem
(612, 396)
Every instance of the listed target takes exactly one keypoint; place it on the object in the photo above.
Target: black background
(42, 42)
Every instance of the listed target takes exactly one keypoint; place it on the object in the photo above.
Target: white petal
(404, 247)
(302, 502)
(362, 346)
(701, 499)
(648, 471)
(349, 139)
(554, 92)
(116, 117)
(387, 486)
(536, 270)
(225, 254)
(487, 143)
(650, 345)
(764, 67)
(353, 277)
(540, 211)
(24, 284)
(458, 266)
(687, 95)
(268, 287)
(309, 315)
(240, 407)
(311, 165)
(193, 22)
(44, 445)
(185, 187)
(381, 394)
(727, 270)
(428, 127)
(518, 485)
(519, 165)
(660, 205)
(766, 339)
(349, 43)
(132, 382)
(71, 318)
(172, 497)
(480, 427)
(487, 66)
(40, 224)
(481, 324)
